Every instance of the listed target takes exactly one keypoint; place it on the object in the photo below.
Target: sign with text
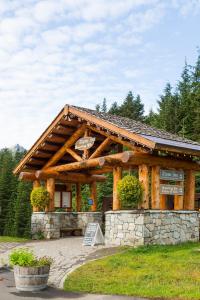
(93, 235)
(168, 189)
(85, 143)
(171, 175)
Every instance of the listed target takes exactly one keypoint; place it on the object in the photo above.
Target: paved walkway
(8, 292)
(67, 253)
(5, 246)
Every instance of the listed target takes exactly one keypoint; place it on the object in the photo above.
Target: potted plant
(130, 191)
(40, 198)
(31, 273)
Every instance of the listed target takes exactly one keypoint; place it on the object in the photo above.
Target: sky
(77, 52)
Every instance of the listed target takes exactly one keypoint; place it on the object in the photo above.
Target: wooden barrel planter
(31, 278)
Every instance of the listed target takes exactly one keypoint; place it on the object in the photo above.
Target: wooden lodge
(81, 145)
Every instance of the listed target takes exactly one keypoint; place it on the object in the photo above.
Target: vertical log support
(117, 175)
(178, 199)
(78, 197)
(189, 196)
(51, 189)
(163, 198)
(36, 183)
(155, 187)
(93, 195)
(144, 179)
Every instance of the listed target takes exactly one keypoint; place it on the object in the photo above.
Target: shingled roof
(135, 132)
(154, 134)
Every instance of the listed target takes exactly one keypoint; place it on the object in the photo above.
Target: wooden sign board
(168, 189)
(85, 143)
(171, 175)
(93, 235)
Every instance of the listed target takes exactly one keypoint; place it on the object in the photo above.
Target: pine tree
(195, 98)
(104, 106)
(97, 108)
(114, 109)
(132, 108)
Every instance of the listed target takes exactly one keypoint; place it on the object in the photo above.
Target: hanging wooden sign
(85, 143)
(168, 189)
(171, 175)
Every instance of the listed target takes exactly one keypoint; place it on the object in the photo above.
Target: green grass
(169, 272)
(8, 239)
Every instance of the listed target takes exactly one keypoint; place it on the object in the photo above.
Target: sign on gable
(168, 189)
(85, 143)
(171, 175)
(93, 235)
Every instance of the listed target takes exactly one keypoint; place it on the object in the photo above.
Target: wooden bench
(71, 231)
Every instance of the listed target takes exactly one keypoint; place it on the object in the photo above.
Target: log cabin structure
(81, 145)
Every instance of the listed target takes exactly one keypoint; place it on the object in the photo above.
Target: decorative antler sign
(85, 143)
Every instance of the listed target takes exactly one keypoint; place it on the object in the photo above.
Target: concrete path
(8, 292)
(67, 253)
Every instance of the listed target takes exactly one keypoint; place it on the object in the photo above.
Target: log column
(93, 195)
(189, 196)
(117, 175)
(144, 179)
(36, 183)
(178, 199)
(51, 189)
(78, 197)
(155, 187)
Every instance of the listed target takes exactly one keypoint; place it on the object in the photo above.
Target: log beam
(78, 197)
(101, 148)
(93, 195)
(117, 175)
(74, 154)
(155, 187)
(50, 185)
(144, 179)
(57, 156)
(189, 196)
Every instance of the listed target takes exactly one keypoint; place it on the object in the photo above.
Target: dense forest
(178, 112)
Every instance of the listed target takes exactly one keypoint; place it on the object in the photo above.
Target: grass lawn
(169, 272)
(7, 239)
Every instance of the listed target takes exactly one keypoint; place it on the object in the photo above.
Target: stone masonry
(49, 224)
(151, 227)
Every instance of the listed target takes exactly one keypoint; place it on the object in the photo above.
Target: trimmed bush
(40, 198)
(130, 191)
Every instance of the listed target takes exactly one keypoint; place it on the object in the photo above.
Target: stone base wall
(151, 227)
(49, 224)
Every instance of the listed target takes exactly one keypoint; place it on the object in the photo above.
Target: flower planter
(31, 278)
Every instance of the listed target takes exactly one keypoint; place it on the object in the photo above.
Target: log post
(144, 179)
(178, 199)
(163, 198)
(155, 187)
(78, 197)
(189, 196)
(117, 175)
(36, 183)
(93, 195)
(51, 189)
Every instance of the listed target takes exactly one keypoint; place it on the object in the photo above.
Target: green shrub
(40, 197)
(25, 258)
(130, 191)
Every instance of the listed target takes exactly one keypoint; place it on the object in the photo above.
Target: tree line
(178, 112)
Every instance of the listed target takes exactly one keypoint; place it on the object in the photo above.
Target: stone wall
(151, 227)
(49, 224)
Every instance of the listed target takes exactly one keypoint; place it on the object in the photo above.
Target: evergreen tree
(97, 108)
(132, 108)
(195, 98)
(114, 109)
(104, 106)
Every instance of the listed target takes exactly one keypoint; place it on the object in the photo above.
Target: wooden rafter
(117, 139)
(74, 154)
(57, 156)
(101, 148)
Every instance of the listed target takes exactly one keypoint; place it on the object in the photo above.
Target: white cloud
(71, 51)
